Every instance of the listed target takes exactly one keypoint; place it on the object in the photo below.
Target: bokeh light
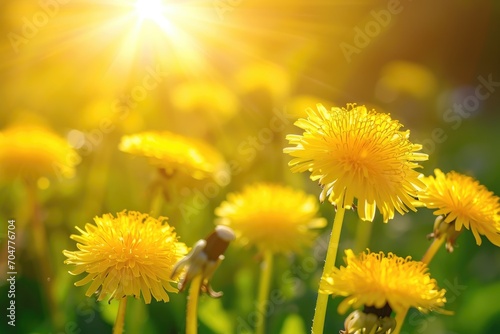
(234, 75)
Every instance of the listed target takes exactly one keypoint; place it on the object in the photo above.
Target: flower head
(271, 217)
(205, 96)
(33, 152)
(268, 77)
(464, 203)
(377, 281)
(175, 153)
(298, 104)
(356, 153)
(127, 255)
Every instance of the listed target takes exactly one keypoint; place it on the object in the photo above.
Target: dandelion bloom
(33, 152)
(205, 96)
(271, 217)
(356, 153)
(464, 202)
(127, 255)
(175, 153)
(377, 281)
(267, 77)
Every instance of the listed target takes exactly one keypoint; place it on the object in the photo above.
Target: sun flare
(149, 10)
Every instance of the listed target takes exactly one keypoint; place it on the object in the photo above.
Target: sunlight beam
(149, 10)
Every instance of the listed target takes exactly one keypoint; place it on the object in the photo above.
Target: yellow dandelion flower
(406, 77)
(175, 153)
(209, 97)
(271, 217)
(268, 77)
(380, 282)
(34, 152)
(298, 105)
(356, 153)
(127, 255)
(464, 202)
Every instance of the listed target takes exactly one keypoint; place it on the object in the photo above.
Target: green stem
(156, 199)
(42, 255)
(331, 255)
(427, 258)
(363, 234)
(120, 316)
(96, 179)
(400, 319)
(264, 287)
(433, 248)
(192, 305)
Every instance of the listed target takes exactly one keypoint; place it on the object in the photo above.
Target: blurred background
(237, 74)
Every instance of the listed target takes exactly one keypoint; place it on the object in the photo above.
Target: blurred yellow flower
(463, 202)
(356, 153)
(205, 96)
(298, 105)
(406, 77)
(268, 77)
(271, 217)
(377, 281)
(107, 114)
(127, 255)
(33, 152)
(175, 153)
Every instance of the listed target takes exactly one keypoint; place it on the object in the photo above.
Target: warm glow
(149, 10)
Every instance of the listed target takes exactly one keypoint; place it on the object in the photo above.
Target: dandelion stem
(400, 319)
(192, 305)
(363, 234)
(429, 254)
(97, 179)
(263, 296)
(120, 316)
(42, 255)
(156, 199)
(433, 248)
(331, 255)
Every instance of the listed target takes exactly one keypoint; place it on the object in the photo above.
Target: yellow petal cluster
(131, 254)
(271, 217)
(205, 97)
(175, 153)
(32, 152)
(463, 201)
(356, 153)
(374, 279)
